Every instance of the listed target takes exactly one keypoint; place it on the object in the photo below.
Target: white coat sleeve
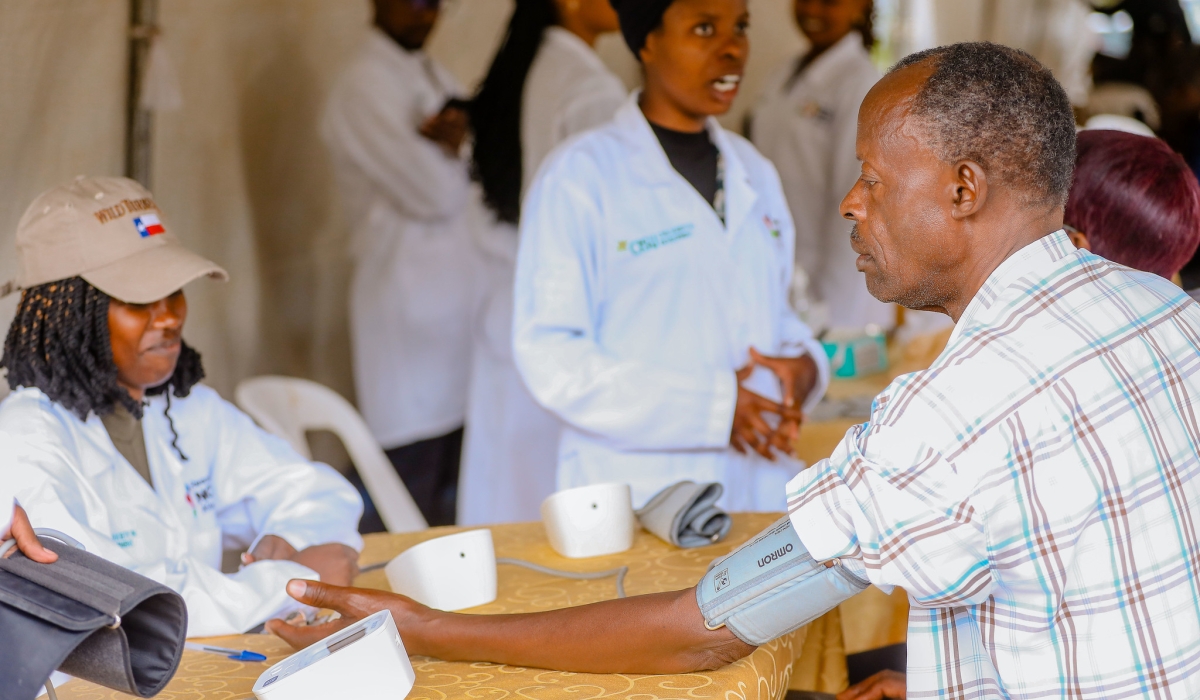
(595, 104)
(370, 128)
(796, 338)
(43, 479)
(263, 487)
(8, 499)
(629, 403)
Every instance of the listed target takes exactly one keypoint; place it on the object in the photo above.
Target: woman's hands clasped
(751, 429)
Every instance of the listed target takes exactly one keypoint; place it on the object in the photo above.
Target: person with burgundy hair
(1134, 201)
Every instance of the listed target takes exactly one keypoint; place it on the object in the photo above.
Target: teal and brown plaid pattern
(1037, 490)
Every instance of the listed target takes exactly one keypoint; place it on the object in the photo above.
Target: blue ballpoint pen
(243, 655)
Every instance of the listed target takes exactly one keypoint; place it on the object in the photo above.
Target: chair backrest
(288, 406)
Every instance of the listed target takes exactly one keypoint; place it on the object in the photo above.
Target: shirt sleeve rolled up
(890, 499)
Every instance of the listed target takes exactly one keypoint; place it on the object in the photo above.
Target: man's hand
(335, 563)
(448, 128)
(885, 685)
(27, 542)
(750, 429)
(353, 604)
(797, 378)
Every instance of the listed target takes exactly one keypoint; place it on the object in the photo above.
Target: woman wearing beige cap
(122, 448)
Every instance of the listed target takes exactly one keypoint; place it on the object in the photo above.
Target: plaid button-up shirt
(1037, 490)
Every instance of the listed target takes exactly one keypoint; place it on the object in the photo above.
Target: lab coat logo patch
(813, 110)
(124, 539)
(148, 225)
(658, 240)
(200, 497)
(772, 226)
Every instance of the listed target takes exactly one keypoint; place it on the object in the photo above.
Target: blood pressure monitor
(366, 660)
(590, 521)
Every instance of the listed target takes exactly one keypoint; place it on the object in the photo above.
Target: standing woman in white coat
(545, 85)
(394, 133)
(805, 122)
(651, 301)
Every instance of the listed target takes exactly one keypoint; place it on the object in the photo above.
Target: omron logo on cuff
(771, 586)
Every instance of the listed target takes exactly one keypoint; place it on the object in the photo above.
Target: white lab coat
(808, 132)
(510, 450)
(635, 305)
(238, 484)
(408, 207)
(6, 513)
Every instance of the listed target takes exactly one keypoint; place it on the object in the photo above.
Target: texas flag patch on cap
(148, 225)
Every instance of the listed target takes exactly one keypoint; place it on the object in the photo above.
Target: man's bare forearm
(659, 633)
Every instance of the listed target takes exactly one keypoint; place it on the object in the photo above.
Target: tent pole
(143, 17)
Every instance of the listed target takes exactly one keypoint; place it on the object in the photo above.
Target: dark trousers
(429, 468)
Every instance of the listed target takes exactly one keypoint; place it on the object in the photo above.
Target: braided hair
(867, 26)
(59, 343)
(496, 109)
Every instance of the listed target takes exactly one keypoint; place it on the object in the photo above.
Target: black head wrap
(638, 19)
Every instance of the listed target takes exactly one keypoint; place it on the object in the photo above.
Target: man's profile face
(901, 203)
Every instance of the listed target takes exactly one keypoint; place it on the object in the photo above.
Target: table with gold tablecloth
(810, 658)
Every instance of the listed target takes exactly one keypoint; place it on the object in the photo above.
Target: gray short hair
(999, 107)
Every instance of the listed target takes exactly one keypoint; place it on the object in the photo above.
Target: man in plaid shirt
(1036, 492)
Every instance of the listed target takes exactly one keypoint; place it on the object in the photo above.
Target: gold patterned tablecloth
(811, 658)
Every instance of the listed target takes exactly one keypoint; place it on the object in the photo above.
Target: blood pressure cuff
(89, 618)
(685, 514)
(770, 586)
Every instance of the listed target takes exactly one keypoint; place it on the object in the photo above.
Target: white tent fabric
(62, 113)
(244, 180)
(239, 169)
(1054, 31)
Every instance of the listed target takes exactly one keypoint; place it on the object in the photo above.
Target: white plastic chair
(288, 406)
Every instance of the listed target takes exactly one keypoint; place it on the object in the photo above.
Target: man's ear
(970, 189)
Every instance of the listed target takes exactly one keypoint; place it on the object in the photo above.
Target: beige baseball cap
(109, 231)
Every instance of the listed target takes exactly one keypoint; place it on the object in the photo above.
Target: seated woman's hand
(27, 542)
(269, 548)
(353, 604)
(336, 563)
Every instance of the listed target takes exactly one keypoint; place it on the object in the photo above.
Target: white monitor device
(366, 660)
(448, 573)
(590, 521)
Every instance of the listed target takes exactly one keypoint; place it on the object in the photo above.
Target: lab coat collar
(829, 65)
(653, 167)
(381, 44)
(106, 455)
(568, 41)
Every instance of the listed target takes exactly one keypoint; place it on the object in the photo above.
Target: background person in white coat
(654, 268)
(395, 135)
(118, 444)
(805, 122)
(545, 85)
